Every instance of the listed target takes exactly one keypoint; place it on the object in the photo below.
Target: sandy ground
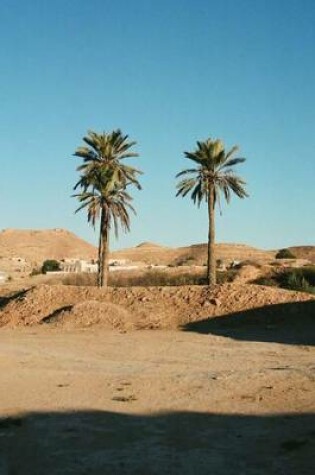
(94, 401)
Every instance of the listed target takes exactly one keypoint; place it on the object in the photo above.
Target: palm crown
(104, 178)
(108, 195)
(214, 171)
(106, 151)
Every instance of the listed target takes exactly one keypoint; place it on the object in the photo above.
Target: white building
(78, 265)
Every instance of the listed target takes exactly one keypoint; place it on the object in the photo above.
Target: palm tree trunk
(103, 272)
(100, 251)
(211, 269)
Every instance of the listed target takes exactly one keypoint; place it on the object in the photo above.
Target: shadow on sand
(290, 323)
(101, 443)
(15, 295)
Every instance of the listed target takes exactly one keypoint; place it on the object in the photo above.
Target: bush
(50, 265)
(157, 278)
(285, 254)
(309, 274)
(35, 272)
(151, 278)
(83, 279)
(301, 279)
(185, 261)
(266, 280)
(226, 276)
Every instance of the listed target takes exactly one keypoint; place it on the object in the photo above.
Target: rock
(144, 299)
(215, 302)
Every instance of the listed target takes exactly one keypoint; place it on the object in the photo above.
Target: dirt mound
(91, 312)
(38, 245)
(138, 307)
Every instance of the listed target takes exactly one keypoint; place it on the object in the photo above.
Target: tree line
(105, 180)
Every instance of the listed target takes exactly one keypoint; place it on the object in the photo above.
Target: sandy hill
(38, 245)
(195, 254)
(304, 252)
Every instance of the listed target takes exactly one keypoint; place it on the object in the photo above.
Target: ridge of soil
(137, 307)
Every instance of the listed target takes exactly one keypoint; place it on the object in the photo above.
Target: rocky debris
(136, 307)
(91, 312)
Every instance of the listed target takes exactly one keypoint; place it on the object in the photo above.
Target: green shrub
(50, 265)
(301, 279)
(266, 280)
(309, 274)
(285, 254)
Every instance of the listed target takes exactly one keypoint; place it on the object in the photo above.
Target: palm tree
(214, 174)
(104, 178)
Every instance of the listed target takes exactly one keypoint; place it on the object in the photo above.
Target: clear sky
(168, 73)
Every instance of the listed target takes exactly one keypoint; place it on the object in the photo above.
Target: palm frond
(185, 186)
(215, 169)
(231, 152)
(186, 172)
(232, 162)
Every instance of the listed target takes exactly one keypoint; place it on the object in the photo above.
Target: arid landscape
(157, 245)
(178, 379)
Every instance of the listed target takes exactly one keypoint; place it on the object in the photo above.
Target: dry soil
(225, 386)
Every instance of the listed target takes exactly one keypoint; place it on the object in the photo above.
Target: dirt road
(152, 402)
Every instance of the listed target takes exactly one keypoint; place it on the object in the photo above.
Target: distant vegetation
(50, 265)
(285, 254)
(185, 261)
(300, 279)
(150, 278)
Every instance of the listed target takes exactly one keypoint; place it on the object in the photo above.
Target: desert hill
(195, 254)
(304, 252)
(38, 245)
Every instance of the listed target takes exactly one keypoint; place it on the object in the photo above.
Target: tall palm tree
(214, 174)
(104, 178)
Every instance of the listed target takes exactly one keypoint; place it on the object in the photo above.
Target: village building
(78, 265)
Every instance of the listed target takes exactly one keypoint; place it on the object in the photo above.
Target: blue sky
(167, 73)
